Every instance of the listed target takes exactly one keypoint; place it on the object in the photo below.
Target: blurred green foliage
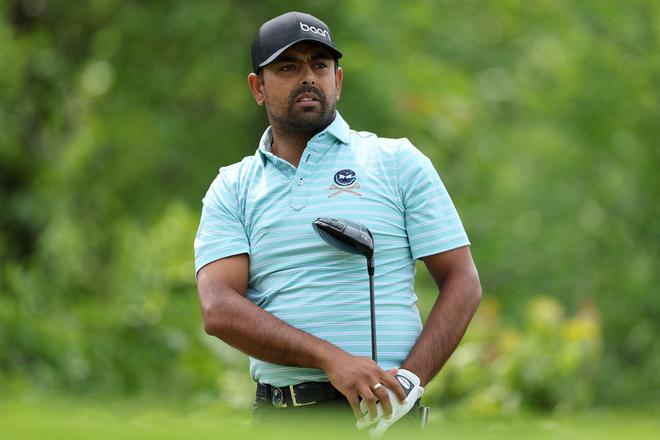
(548, 364)
(541, 117)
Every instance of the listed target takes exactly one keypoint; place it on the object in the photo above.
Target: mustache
(307, 89)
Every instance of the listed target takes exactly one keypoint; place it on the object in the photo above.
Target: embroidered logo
(345, 181)
(307, 28)
(345, 177)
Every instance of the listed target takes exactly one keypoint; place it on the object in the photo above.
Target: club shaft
(372, 306)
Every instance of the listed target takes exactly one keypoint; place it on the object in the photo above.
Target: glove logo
(404, 382)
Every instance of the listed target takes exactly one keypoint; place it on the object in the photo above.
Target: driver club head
(347, 235)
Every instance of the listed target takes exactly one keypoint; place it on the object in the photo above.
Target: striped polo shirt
(264, 207)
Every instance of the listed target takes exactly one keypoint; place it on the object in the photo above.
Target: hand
(354, 377)
(410, 383)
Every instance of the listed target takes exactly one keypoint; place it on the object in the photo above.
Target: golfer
(271, 287)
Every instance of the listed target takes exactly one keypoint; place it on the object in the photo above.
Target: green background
(542, 118)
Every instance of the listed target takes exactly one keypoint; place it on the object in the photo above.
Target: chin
(309, 116)
(308, 120)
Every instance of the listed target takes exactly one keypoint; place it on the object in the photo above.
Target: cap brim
(271, 58)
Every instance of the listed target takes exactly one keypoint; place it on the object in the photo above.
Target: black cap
(277, 35)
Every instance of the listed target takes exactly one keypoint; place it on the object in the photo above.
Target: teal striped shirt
(264, 207)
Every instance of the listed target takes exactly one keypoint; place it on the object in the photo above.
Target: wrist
(419, 372)
(412, 377)
(327, 355)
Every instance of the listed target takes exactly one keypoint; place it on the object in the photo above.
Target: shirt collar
(338, 129)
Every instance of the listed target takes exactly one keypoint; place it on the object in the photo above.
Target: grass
(71, 419)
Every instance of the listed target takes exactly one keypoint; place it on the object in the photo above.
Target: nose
(307, 74)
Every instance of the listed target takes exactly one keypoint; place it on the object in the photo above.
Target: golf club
(350, 236)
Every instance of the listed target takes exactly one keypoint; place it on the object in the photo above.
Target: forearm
(247, 327)
(445, 327)
(230, 316)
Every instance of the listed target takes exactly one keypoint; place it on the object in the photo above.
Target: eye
(320, 65)
(288, 67)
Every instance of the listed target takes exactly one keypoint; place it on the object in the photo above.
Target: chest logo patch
(345, 177)
(345, 182)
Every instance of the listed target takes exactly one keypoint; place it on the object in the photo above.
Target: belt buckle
(293, 398)
(277, 397)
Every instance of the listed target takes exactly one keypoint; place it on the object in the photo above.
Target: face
(300, 89)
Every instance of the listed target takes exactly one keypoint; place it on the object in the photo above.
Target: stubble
(309, 121)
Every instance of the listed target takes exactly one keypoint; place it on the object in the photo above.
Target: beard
(306, 121)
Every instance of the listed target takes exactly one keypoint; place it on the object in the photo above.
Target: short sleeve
(221, 231)
(432, 222)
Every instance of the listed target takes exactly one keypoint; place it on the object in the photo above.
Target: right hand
(354, 377)
(413, 391)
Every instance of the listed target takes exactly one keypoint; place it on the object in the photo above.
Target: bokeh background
(542, 118)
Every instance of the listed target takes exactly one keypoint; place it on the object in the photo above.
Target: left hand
(410, 384)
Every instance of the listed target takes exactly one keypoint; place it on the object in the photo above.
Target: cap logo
(315, 30)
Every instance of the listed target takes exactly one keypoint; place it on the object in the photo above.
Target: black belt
(305, 393)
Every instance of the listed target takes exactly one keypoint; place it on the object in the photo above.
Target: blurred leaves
(550, 363)
(541, 118)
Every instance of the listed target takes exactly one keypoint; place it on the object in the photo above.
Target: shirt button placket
(298, 197)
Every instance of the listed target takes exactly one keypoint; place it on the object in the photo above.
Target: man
(269, 286)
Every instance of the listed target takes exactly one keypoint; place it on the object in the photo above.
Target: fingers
(384, 398)
(370, 399)
(379, 429)
(355, 405)
(390, 382)
(355, 377)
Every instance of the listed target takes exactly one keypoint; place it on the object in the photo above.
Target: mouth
(307, 98)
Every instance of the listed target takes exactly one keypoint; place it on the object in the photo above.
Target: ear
(339, 77)
(257, 88)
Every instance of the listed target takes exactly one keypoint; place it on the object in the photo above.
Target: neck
(289, 144)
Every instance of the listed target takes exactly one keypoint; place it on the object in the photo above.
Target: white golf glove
(410, 384)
